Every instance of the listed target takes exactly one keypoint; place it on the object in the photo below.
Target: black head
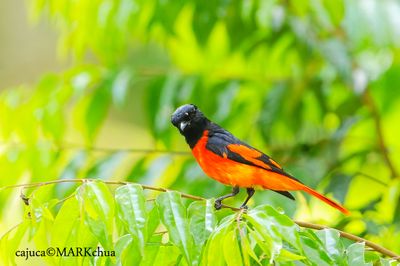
(190, 122)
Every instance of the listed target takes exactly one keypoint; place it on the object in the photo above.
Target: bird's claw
(217, 204)
(244, 207)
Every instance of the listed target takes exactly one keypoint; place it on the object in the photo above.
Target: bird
(232, 162)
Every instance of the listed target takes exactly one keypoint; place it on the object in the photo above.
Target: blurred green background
(88, 87)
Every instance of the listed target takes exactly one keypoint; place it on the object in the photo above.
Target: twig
(369, 101)
(352, 237)
(75, 146)
(370, 244)
(70, 145)
(39, 184)
(371, 178)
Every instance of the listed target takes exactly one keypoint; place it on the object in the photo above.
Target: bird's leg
(218, 201)
(250, 193)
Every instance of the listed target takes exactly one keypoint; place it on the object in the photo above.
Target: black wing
(224, 144)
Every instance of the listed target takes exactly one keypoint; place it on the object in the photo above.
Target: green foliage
(153, 233)
(311, 83)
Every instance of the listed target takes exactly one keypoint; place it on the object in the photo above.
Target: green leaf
(163, 255)
(247, 248)
(355, 255)
(337, 54)
(388, 262)
(41, 220)
(128, 250)
(153, 221)
(313, 248)
(81, 236)
(286, 255)
(96, 111)
(212, 254)
(163, 92)
(280, 222)
(270, 247)
(202, 223)
(65, 222)
(202, 220)
(271, 228)
(339, 185)
(231, 249)
(40, 238)
(150, 252)
(332, 243)
(336, 10)
(371, 257)
(131, 210)
(120, 87)
(173, 216)
(10, 242)
(98, 205)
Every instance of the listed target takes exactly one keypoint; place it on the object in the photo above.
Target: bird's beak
(183, 125)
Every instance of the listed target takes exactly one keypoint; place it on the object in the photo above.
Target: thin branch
(369, 101)
(45, 183)
(370, 244)
(75, 146)
(371, 178)
(71, 145)
(343, 234)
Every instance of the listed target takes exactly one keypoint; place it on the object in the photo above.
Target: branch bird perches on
(343, 234)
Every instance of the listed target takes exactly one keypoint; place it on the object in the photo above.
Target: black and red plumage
(232, 162)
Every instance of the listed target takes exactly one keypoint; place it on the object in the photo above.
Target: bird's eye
(186, 116)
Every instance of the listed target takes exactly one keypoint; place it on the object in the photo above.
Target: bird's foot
(218, 204)
(244, 207)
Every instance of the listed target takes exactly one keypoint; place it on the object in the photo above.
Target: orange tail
(325, 199)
